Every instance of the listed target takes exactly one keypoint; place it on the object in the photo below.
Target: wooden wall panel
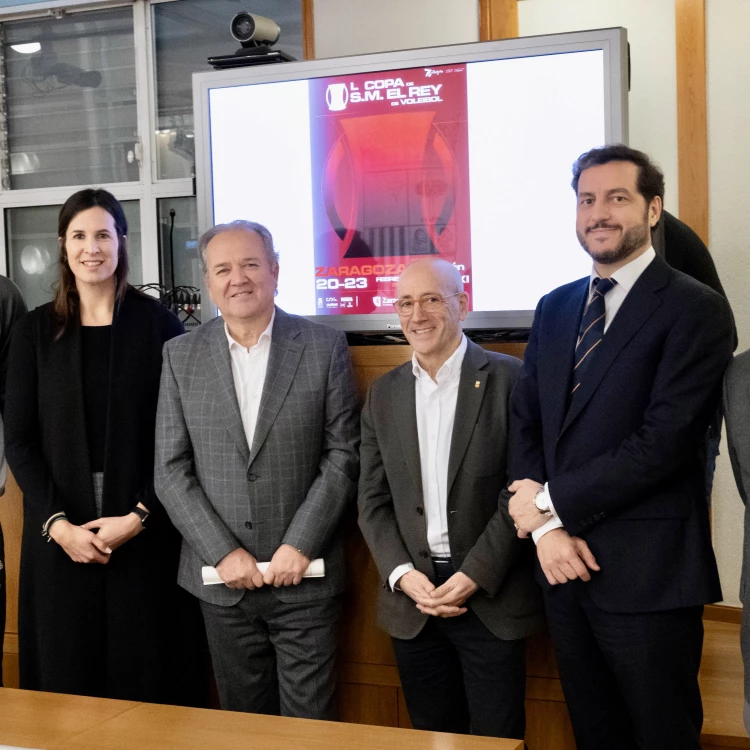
(11, 520)
(403, 712)
(363, 643)
(369, 704)
(548, 726)
(308, 30)
(10, 660)
(692, 127)
(498, 19)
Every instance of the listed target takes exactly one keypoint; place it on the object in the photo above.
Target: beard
(632, 239)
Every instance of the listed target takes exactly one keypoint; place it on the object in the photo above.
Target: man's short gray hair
(243, 226)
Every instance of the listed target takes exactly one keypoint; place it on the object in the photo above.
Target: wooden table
(68, 722)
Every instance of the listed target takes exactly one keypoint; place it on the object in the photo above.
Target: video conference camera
(256, 34)
(251, 30)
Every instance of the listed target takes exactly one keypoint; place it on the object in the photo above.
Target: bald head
(433, 323)
(445, 274)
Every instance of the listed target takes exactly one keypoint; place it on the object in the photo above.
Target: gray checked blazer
(295, 481)
(483, 541)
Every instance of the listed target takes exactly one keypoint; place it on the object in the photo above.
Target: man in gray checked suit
(458, 593)
(256, 460)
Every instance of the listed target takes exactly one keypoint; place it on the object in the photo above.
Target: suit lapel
(283, 361)
(556, 366)
(404, 411)
(639, 305)
(471, 389)
(227, 395)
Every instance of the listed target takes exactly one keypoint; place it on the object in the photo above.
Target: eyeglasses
(429, 303)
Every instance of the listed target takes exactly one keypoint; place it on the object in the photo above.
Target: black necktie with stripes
(591, 332)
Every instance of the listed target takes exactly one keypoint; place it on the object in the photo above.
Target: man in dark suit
(737, 414)
(458, 593)
(622, 375)
(12, 307)
(256, 460)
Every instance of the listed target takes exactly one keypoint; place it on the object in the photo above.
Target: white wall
(353, 27)
(728, 69)
(653, 94)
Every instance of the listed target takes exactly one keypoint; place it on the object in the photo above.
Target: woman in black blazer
(100, 612)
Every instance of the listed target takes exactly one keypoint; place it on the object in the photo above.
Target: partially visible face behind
(241, 281)
(612, 217)
(91, 246)
(433, 335)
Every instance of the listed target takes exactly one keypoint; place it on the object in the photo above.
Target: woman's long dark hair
(66, 292)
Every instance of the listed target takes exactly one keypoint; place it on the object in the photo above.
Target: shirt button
(252, 477)
(248, 525)
(420, 510)
(423, 554)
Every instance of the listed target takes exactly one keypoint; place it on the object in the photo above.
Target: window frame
(148, 188)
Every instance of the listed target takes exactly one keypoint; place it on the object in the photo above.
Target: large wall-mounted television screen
(360, 165)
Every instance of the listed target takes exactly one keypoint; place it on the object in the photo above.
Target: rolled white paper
(316, 569)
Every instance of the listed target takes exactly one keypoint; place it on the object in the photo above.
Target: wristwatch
(541, 502)
(142, 514)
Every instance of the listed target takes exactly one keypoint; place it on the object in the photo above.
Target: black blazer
(45, 421)
(483, 541)
(625, 462)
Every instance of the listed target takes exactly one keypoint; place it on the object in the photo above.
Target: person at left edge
(12, 307)
(100, 612)
(257, 437)
(458, 595)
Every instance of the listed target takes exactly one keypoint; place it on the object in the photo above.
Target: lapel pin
(477, 384)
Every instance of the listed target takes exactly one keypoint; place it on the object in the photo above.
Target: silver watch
(541, 502)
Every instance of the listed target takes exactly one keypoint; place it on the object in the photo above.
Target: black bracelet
(48, 525)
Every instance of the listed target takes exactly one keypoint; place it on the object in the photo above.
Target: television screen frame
(611, 41)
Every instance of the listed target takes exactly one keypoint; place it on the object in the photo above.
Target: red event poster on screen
(390, 162)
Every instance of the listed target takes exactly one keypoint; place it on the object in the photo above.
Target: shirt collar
(451, 368)
(630, 272)
(265, 336)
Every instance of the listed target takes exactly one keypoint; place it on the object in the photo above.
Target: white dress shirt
(249, 373)
(625, 278)
(436, 411)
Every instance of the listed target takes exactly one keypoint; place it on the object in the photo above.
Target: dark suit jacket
(291, 486)
(624, 463)
(483, 541)
(737, 415)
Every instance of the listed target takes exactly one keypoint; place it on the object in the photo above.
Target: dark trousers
(270, 657)
(745, 646)
(459, 677)
(630, 680)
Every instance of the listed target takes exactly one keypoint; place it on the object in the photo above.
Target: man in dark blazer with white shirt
(458, 594)
(622, 375)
